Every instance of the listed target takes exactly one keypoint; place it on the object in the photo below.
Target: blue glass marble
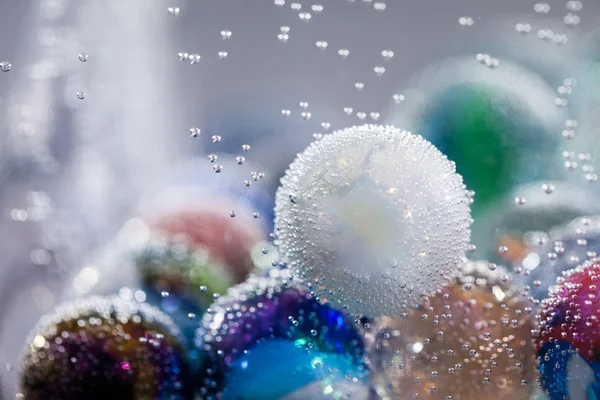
(263, 323)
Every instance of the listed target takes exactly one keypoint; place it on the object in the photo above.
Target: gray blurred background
(72, 170)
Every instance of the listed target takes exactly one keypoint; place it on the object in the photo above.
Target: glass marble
(263, 323)
(568, 343)
(105, 348)
(471, 340)
(490, 121)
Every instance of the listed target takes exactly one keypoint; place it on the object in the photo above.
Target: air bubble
(5, 66)
(195, 132)
(173, 11)
(520, 201)
(548, 188)
(465, 21)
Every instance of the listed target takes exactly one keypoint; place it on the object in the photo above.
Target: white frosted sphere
(373, 217)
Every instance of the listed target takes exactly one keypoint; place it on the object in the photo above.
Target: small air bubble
(5, 66)
(83, 57)
(541, 8)
(173, 11)
(387, 54)
(519, 200)
(321, 44)
(195, 132)
(548, 188)
(398, 98)
(379, 6)
(465, 21)
(304, 16)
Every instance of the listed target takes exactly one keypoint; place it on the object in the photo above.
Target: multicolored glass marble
(266, 339)
(470, 341)
(105, 348)
(568, 344)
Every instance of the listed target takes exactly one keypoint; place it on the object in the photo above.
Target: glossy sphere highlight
(373, 216)
(104, 348)
(569, 339)
(471, 341)
(260, 324)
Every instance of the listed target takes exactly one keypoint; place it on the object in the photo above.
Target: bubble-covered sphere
(471, 341)
(267, 339)
(554, 254)
(569, 337)
(105, 348)
(372, 216)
